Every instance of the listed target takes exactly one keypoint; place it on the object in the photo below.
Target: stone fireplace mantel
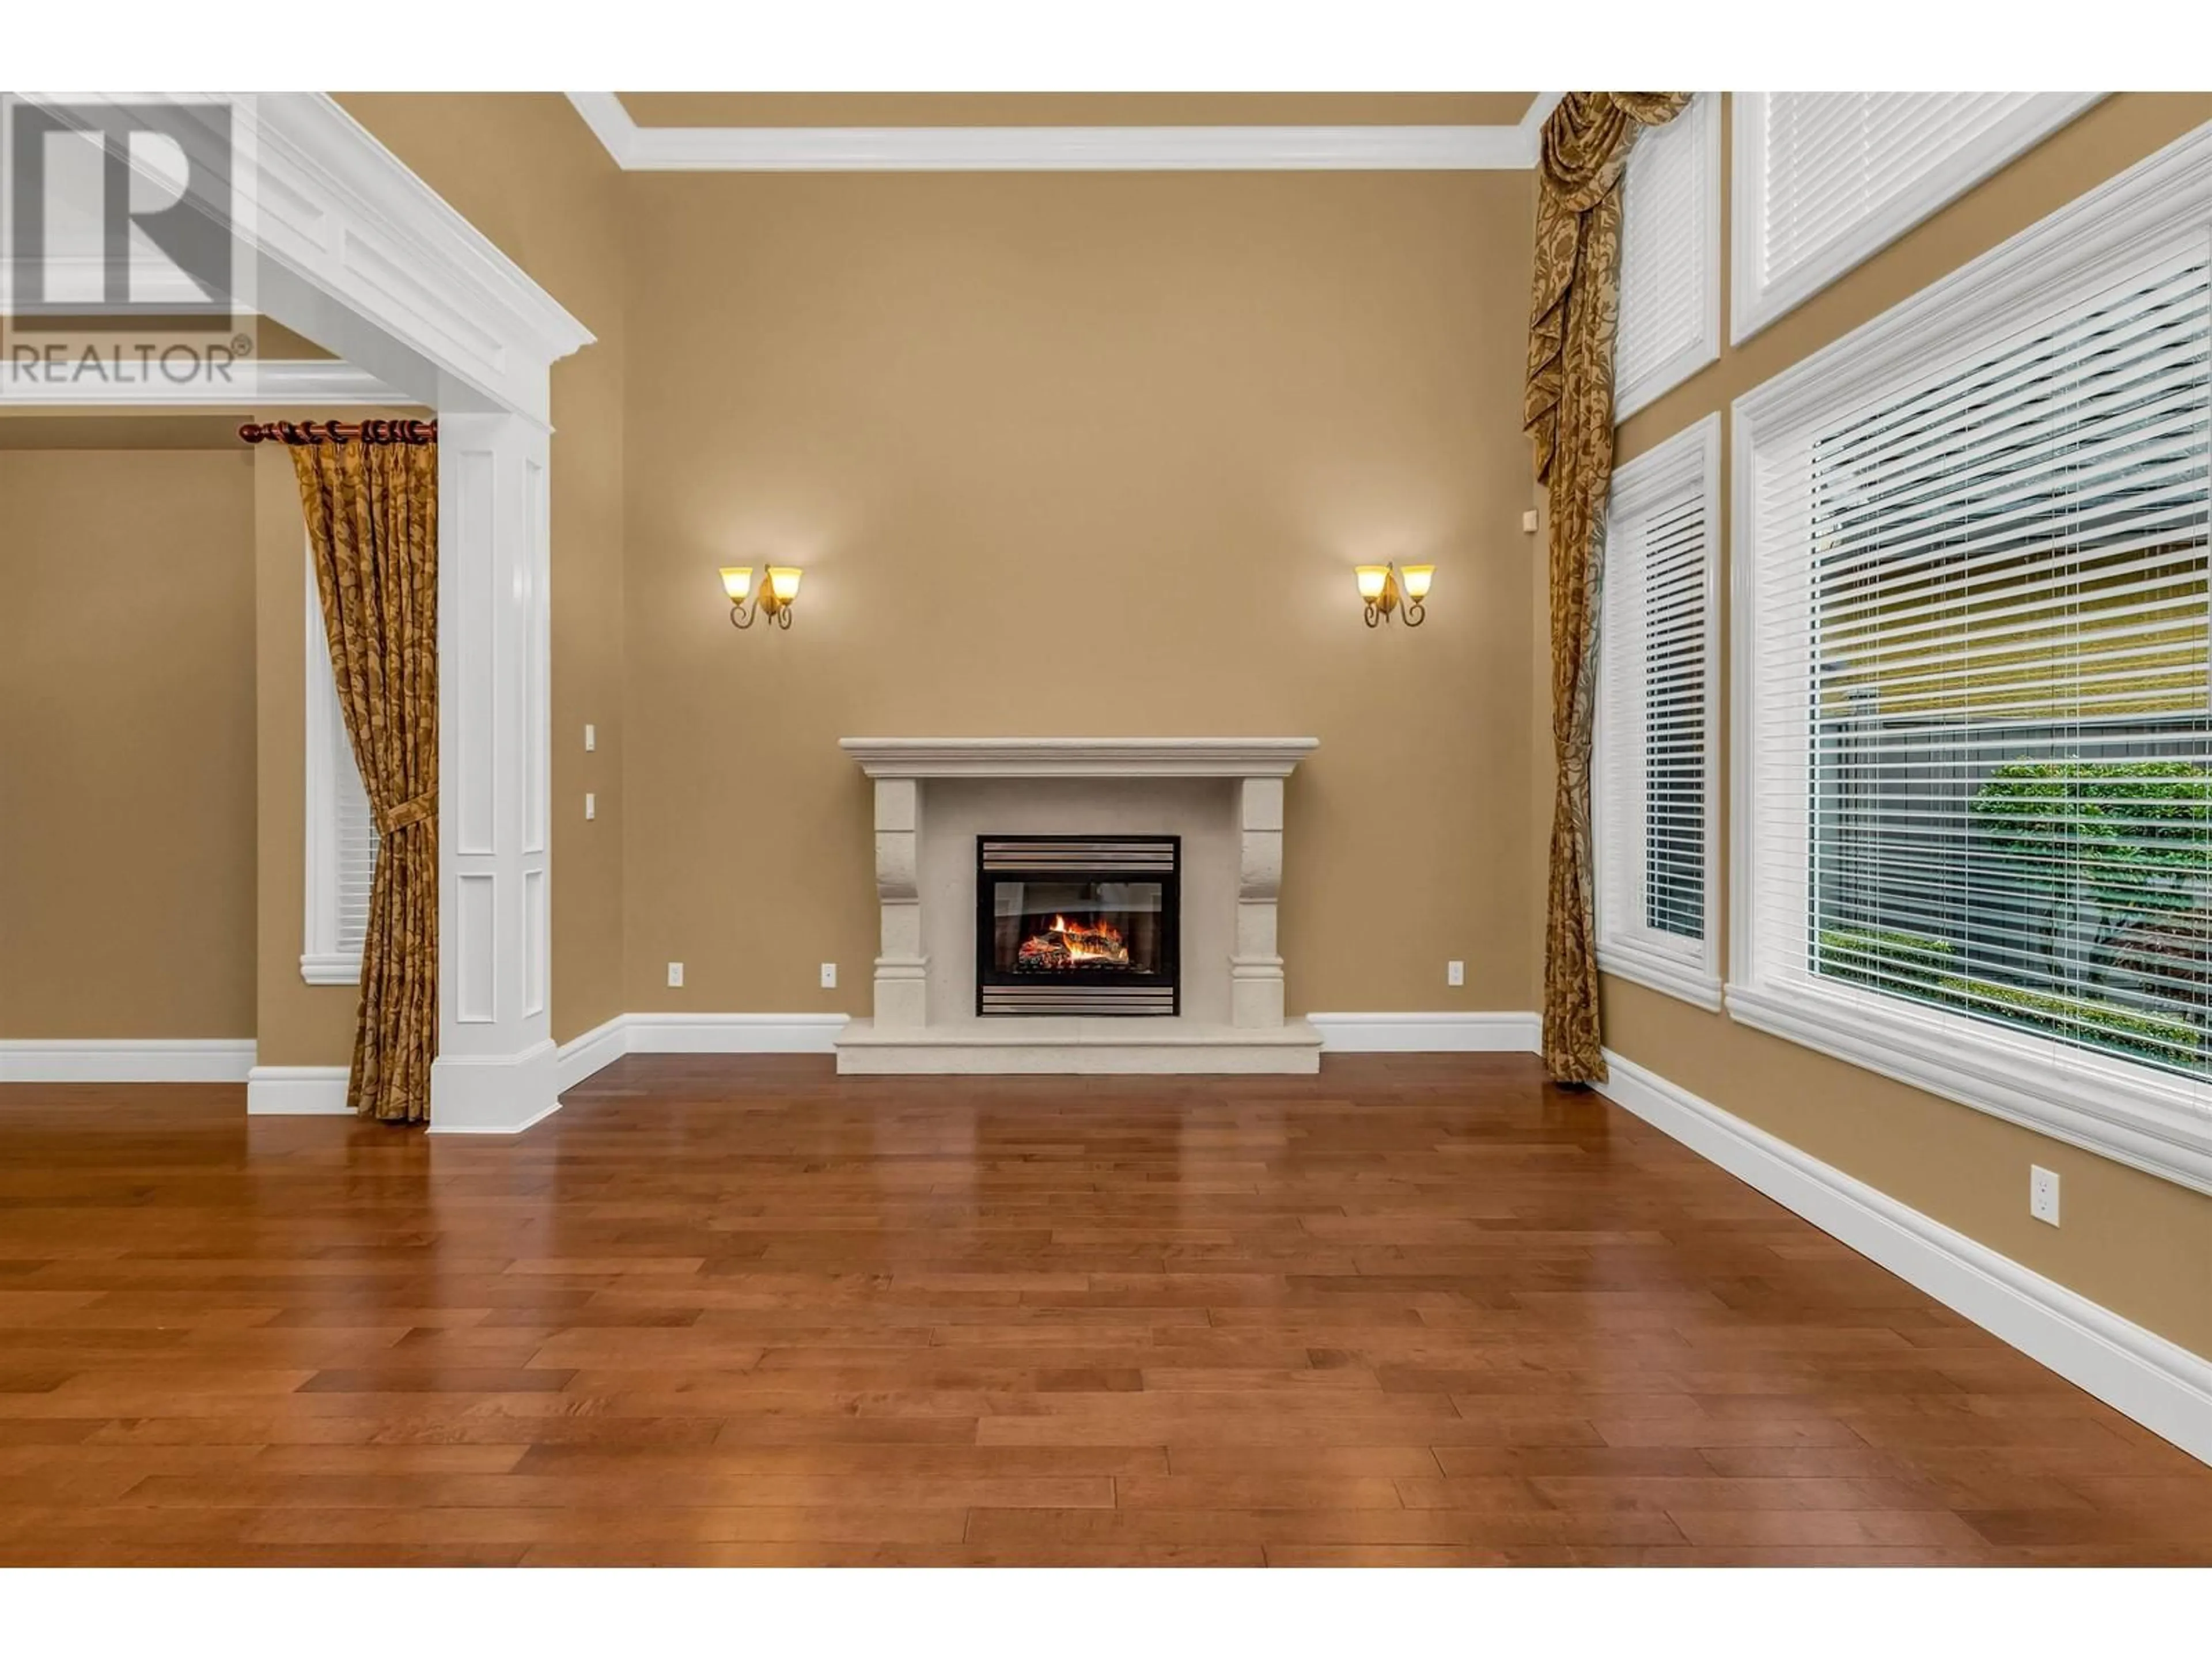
(1078, 757)
(1225, 794)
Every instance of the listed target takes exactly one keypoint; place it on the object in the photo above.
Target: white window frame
(1688, 968)
(1754, 303)
(321, 960)
(1703, 119)
(2121, 1110)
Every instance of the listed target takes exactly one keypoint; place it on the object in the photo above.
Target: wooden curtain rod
(341, 432)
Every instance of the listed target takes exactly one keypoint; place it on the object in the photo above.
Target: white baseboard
(126, 1059)
(297, 1092)
(693, 1034)
(580, 1056)
(733, 1033)
(2159, 1384)
(1429, 1034)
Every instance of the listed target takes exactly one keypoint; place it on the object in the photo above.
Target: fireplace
(1077, 924)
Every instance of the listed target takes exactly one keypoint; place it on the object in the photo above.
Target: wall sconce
(779, 587)
(1385, 588)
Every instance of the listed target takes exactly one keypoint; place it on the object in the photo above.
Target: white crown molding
(1511, 1033)
(297, 1092)
(1531, 122)
(126, 1059)
(1078, 757)
(1060, 150)
(334, 232)
(2159, 1384)
(245, 385)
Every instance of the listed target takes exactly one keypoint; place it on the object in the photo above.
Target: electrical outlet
(828, 975)
(2042, 1193)
(1455, 973)
(590, 805)
(591, 736)
(676, 973)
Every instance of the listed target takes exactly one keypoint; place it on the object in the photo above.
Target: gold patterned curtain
(372, 512)
(1567, 409)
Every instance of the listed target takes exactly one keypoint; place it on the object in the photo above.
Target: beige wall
(1078, 454)
(126, 744)
(528, 173)
(2141, 1245)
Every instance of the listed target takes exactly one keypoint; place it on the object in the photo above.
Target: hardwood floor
(1420, 1309)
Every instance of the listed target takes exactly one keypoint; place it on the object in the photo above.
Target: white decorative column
(1256, 967)
(903, 968)
(494, 1070)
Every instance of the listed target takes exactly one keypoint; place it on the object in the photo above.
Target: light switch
(591, 736)
(1528, 521)
(590, 805)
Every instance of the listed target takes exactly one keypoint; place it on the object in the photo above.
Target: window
(1824, 179)
(1670, 256)
(1974, 739)
(341, 850)
(1654, 763)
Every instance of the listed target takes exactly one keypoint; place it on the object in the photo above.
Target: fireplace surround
(1077, 924)
(1218, 800)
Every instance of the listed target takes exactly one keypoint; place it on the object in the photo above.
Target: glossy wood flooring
(1421, 1308)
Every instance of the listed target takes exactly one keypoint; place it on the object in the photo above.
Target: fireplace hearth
(1077, 924)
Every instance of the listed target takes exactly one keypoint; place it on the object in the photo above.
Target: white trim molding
(125, 1059)
(1513, 1033)
(346, 246)
(2159, 1383)
(2124, 1111)
(297, 1092)
(328, 767)
(286, 382)
(1337, 148)
(1690, 143)
(1688, 463)
(1755, 299)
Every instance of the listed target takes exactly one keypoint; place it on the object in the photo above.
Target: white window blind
(1670, 256)
(1824, 179)
(1655, 753)
(341, 834)
(1975, 637)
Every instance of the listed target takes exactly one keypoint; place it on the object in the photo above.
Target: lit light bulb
(736, 581)
(1417, 580)
(1372, 577)
(783, 582)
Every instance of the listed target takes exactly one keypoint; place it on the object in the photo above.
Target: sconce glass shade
(736, 581)
(1417, 581)
(783, 582)
(1372, 577)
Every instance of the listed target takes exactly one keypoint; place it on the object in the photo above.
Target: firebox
(1077, 924)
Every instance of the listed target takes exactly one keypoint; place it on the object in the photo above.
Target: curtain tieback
(407, 812)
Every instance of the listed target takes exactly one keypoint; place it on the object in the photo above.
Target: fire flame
(1066, 942)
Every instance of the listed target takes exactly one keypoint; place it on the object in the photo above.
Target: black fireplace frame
(1069, 981)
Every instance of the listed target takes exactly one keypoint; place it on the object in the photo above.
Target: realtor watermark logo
(126, 267)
